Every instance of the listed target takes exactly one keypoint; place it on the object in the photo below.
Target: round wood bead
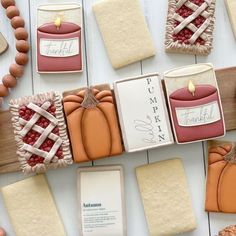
(21, 34)
(3, 91)
(22, 46)
(7, 3)
(16, 70)
(9, 81)
(21, 58)
(17, 22)
(12, 11)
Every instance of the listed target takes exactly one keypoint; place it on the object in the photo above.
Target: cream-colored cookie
(31, 208)
(165, 196)
(3, 44)
(231, 7)
(124, 31)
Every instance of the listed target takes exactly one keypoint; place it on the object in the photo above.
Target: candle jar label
(59, 47)
(199, 115)
(59, 31)
(194, 102)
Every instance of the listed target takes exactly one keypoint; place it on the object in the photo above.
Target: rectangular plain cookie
(124, 31)
(189, 26)
(40, 132)
(166, 199)
(231, 8)
(31, 208)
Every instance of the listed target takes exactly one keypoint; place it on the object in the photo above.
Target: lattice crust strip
(189, 26)
(40, 132)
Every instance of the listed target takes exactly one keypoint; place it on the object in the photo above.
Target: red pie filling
(185, 34)
(32, 136)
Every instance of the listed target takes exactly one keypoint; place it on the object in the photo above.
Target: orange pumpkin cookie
(228, 231)
(221, 178)
(93, 124)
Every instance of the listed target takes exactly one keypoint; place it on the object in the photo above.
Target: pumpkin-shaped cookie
(93, 124)
(221, 179)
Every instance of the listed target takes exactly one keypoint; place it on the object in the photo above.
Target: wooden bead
(16, 70)
(22, 46)
(2, 231)
(12, 11)
(7, 3)
(17, 22)
(3, 91)
(21, 34)
(21, 58)
(9, 81)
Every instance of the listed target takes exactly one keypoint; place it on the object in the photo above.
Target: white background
(97, 69)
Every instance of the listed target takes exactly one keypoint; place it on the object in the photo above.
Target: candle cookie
(59, 38)
(194, 102)
(40, 132)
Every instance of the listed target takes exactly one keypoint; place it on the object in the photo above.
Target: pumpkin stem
(89, 99)
(231, 156)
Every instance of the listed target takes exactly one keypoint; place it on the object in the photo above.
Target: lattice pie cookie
(189, 26)
(40, 132)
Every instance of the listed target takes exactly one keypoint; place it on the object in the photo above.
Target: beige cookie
(3, 44)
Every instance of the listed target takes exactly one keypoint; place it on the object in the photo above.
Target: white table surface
(97, 69)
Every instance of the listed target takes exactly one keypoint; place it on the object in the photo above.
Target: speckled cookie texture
(166, 200)
(31, 208)
(124, 31)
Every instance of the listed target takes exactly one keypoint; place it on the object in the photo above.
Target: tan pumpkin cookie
(93, 124)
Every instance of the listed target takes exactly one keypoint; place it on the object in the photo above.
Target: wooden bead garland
(16, 69)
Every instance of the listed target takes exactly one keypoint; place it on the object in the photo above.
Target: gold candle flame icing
(191, 87)
(57, 22)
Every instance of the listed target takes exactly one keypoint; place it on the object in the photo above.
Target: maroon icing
(204, 94)
(59, 64)
(32, 136)
(65, 28)
(185, 34)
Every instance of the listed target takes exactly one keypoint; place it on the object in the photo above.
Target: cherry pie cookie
(40, 132)
(189, 26)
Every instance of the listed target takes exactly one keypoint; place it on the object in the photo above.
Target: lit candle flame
(57, 22)
(191, 87)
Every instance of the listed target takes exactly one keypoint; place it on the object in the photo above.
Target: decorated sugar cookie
(189, 26)
(40, 132)
(194, 102)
